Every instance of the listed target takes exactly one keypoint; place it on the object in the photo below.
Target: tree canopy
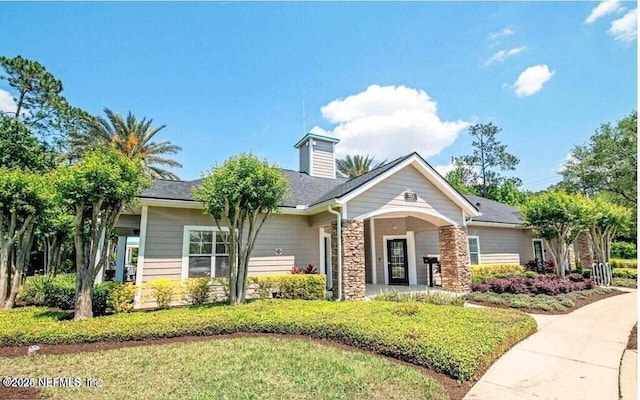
(240, 195)
(96, 189)
(607, 163)
(356, 165)
(478, 173)
(39, 103)
(558, 217)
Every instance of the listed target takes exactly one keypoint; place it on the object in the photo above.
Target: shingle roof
(309, 190)
(493, 211)
(303, 189)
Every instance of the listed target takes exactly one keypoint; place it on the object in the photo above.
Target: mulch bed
(579, 303)
(456, 390)
(632, 344)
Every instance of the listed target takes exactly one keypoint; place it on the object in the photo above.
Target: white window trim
(185, 247)
(533, 245)
(411, 256)
(477, 238)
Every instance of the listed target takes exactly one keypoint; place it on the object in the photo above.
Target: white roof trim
(429, 173)
(409, 212)
(196, 205)
(473, 223)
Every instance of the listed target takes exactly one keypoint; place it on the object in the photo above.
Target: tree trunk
(23, 253)
(4, 272)
(84, 286)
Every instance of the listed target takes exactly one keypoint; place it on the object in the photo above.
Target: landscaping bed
(542, 304)
(541, 294)
(436, 337)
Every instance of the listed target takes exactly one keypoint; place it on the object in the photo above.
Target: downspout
(339, 244)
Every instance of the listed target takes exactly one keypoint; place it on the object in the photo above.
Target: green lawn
(239, 368)
(456, 341)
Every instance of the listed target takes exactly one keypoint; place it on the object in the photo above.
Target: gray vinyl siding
(322, 219)
(164, 241)
(503, 245)
(304, 158)
(390, 193)
(427, 244)
(323, 161)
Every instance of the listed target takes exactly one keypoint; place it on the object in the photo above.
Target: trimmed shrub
(538, 285)
(618, 263)
(121, 298)
(626, 273)
(492, 269)
(60, 291)
(163, 291)
(624, 250)
(196, 290)
(35, 290)
(302, 287)
(291, 286)
(436, 337)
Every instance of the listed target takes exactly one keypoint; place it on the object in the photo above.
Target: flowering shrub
(309, 269)
(537, 285)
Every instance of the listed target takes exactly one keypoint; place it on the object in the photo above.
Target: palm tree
(132, 138)
(356, 165)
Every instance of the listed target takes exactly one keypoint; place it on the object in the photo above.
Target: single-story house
(381, 228)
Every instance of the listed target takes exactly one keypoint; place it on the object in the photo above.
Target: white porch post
(372, 243)
(121, 256)
(411, 250)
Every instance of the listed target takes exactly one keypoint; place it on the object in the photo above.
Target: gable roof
(493, 211)
(354, 183)
(308, 190)
(303, 188)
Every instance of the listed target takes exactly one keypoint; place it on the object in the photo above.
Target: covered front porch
(397, 249)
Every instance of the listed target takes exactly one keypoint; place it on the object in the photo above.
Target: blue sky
(386, 78)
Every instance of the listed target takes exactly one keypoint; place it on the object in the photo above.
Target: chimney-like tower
(317, 153)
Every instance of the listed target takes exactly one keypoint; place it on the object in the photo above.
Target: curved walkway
(572, 356)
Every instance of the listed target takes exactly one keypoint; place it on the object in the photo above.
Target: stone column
(353, 266)
(454, 259)
(585, 251)
(572, 258)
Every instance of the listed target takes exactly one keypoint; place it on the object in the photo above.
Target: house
(386, 227)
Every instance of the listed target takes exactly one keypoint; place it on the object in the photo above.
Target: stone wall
(454, 259)
(353, 264)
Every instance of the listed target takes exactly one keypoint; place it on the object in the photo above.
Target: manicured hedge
(60, 291)
(622, 263)
(483, 272)
(456, 341)
(627, 273)
(291, 286)
(538, 285)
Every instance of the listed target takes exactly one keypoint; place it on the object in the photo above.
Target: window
(474, 250)
(205, 252)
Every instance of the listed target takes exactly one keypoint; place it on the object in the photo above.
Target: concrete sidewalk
(572, 356)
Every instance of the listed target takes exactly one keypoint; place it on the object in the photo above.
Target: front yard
(238, 368)
(455, 341)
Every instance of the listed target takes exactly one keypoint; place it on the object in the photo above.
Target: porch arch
(430, 216)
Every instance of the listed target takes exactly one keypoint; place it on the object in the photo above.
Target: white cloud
(625, 28)
(6, 102)
(504, 32)
(390, 121)
(444, 169)
(531, 80)
(502, 55)
(603, 8)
